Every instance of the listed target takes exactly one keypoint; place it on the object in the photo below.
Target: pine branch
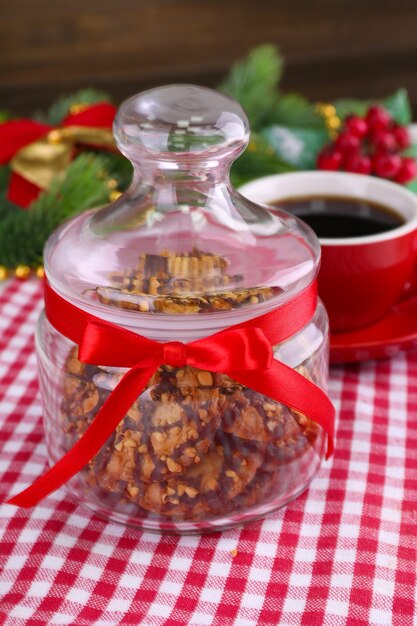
(253, 82)
(23, 233)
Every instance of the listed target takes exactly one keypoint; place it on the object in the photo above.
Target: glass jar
(181, 255)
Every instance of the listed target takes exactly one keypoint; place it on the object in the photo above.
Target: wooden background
(331, 47)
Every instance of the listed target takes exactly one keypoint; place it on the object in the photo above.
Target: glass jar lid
(181, 243)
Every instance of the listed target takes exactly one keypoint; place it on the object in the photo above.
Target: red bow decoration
(39, 152)
(244, 352)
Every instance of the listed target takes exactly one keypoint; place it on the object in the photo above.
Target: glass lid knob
(176, 120)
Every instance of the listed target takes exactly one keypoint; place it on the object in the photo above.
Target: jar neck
(165, 172)
(169, 190)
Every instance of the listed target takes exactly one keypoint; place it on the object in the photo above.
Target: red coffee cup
(361, 277)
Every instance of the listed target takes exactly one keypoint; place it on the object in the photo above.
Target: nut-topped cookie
(180, 284)
(195, 443)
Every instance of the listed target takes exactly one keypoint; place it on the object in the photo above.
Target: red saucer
(395, 332)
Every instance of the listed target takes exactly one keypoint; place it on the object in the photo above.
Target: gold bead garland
(21, 272)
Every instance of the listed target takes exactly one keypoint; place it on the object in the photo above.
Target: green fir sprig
(253, 82)
(23, 233)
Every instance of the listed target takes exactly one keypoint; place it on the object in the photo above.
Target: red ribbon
(15, 134)
(244, 352)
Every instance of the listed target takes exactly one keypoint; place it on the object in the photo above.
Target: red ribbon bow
(244, 352)
(17, 134)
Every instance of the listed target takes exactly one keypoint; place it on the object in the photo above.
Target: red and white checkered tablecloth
(344, 553)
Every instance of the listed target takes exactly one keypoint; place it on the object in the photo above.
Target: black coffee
(336, 217)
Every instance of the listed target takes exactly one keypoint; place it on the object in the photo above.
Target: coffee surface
(338, 217)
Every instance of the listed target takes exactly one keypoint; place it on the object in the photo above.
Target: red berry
(377, 118)
(329, 159)
(356, 125)
(402, 137)
(347, 142)
(408, 170)
(358, 163)
(386, 165)
(384, 141)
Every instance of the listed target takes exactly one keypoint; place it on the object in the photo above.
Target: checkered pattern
(344, 553)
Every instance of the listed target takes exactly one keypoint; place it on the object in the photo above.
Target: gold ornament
(42, 161)
(40, 272)
(22, 272)
(49, 157)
